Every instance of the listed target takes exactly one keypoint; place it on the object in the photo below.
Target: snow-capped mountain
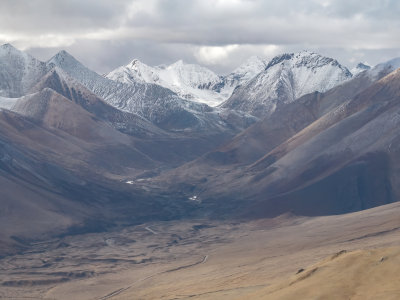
(19, 71)
(189, 81)
(147, 104)
(151, 101)
(59, 82)
(361, 67)
(176, 75)
(286, 78)
(157, 104)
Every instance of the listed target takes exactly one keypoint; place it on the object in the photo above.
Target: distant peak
(178, 63)
(63, 53)
(8, 49)
(162, 66)
(280, 58)
(134, 62)
(363, 66)
(62, 58)
(308, 52)
(306, 58)
(7, 45)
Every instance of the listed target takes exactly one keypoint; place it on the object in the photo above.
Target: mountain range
(191, 82)
(83, 152)
(325, 153)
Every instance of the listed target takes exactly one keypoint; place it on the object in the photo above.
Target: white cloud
(271, 50)
(214, 55)
(24, 42)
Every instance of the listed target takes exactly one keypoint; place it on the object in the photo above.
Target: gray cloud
(218, 33)
(59, 17)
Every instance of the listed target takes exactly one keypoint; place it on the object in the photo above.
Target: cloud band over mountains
(217, 33)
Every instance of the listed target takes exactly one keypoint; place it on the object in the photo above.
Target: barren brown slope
(33, 212)
(128, 123)
(32, 206)
(289, 119)
(346, 160)
(262, 137)
(69, 121)
(51, 183)
(363, 274)
(61, 170)
(241, 257)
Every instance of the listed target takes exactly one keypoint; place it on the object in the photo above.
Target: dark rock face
(360, 185)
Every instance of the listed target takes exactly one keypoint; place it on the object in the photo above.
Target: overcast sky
(219, 34)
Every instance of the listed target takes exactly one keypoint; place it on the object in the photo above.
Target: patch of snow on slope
(7, 103)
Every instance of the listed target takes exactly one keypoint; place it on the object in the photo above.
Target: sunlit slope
(362, 274)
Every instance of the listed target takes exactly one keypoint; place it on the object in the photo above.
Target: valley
(200, 259)
(280, 178)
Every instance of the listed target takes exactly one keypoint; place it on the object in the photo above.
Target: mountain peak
(134, 62)
(286, 78)
(66, 62)
(7, 46)
(178, 63)
(361, 67)
(73, 68)
(305, 57)
(63, 55)
(19, 71)
(307, 52)
(7, 49)
(279, 58)
(189, 81)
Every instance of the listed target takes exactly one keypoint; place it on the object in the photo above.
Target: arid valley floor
(199, 150)
(352, 255)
